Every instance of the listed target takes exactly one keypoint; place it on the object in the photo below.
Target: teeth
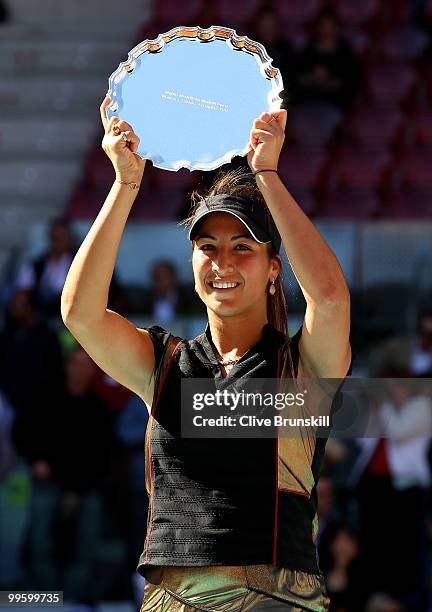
(220, 285)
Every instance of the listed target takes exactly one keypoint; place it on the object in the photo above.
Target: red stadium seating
(404, 43)
(351, 204)
(301, 170)
(157, 204)
(312, 125)
(180, 13)
(409, 204)
(99, 171)
(358, 39)
(376, 127)
(298, 11)
(306, 200)
(421, 126)
(231, 13)
(85, 204)
(415, 168)
(183, 180)
(356, 12)
(296, 35)
(426, 80)
(391, 83)
(355, 168)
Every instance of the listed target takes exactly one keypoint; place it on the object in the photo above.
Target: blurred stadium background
(358, 158)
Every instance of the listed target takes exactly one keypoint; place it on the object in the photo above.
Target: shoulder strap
(170, 345)
(169, 348)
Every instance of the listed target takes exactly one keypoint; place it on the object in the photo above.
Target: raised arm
(324, 345)
(114, 343)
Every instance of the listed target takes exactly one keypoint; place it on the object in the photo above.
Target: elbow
(78, 317)
(339, 299)
(335, 301)
(68, 310)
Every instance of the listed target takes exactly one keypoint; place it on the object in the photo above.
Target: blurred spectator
(7, 451)
(131, 428)
(338, 551)
(343, 577)
(30, 354)
(267, 29)
(66, 435)
(166, 298)
(111, 392)
(329, 519)
(392, 475)
(47, 274)
(14, 501)
(328, 71)
(381, 602)
(410, 353)
(4, 12)
(59, 418)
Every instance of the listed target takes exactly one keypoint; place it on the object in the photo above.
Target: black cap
(253, 215)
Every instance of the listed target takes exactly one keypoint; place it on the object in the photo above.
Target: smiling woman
(237, 195)
(232, 523)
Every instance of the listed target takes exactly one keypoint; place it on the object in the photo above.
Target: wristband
(131, 184)
(265, 170)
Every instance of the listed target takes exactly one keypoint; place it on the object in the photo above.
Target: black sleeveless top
(226, 501)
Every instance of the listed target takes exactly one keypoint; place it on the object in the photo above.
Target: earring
(272, 288)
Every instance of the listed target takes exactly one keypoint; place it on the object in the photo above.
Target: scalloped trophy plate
(192, 94)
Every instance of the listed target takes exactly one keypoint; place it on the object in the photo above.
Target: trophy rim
(203, 35)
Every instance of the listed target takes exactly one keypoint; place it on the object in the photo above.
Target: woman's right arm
(116, 345)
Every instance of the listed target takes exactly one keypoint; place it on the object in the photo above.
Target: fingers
(261, 135)
(129, 137)
(103, 107)
(277, 118)
(265, 125)
(108, 125)
(122, 125)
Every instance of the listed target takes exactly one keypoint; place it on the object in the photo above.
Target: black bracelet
(265, 170)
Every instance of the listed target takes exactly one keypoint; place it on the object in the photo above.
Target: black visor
(253, 215)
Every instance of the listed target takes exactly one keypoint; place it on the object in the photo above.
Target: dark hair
(240, 182)
(166, 263)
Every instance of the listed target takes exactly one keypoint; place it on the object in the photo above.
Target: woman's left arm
(324, 345)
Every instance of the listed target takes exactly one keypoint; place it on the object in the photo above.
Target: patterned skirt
(233, 589)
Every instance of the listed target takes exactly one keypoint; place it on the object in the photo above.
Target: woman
(231, 524)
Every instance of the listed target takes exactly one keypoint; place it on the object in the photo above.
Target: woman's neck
(234, 336)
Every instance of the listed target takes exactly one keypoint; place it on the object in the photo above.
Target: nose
(222, 264)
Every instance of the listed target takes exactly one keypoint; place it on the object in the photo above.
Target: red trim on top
(150, 453)
(276, 515)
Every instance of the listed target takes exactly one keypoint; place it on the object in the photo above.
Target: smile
(223, 285)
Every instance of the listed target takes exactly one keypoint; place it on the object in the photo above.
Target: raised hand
(120, 143)
(266, 139)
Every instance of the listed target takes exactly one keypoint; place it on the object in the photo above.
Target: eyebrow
(247, 236)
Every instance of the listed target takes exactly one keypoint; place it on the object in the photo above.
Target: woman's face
(225, 252)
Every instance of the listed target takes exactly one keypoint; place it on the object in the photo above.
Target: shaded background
(357, 157)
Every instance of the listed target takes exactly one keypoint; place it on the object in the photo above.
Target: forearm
(314, 264)
(85, 293)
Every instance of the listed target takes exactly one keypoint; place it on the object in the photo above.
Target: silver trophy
(192, 94)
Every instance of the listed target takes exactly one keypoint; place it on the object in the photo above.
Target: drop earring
(272, 288)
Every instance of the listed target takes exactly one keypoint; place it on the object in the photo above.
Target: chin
(225, 309)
